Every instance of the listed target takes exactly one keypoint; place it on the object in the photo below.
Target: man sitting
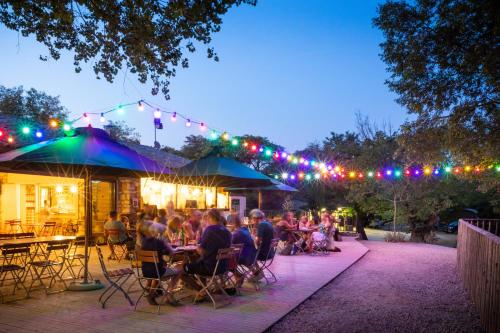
(214, 238)
(265, 235)
(115, 238)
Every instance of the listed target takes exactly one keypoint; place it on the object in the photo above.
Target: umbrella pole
(259, 199)
(85, 284)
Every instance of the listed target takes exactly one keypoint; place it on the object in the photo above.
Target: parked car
(452, 227)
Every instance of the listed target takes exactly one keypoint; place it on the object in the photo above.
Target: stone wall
(129, 197)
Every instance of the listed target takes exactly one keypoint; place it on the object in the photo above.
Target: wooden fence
(478, 263)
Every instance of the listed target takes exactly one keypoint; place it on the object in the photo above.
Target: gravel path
(396, 287)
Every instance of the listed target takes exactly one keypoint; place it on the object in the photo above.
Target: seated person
(192, 227)
(241, 235)
(265, 233)
(304, 222)
(323, 232)
(283, 227)
(214, 238)
(162, 217)
(116, 225)
(151, 270)
(174, 227)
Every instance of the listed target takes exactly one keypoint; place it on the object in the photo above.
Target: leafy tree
(150, 38)
(443, 60)
(120, 131)
(31, 105)
(196, 147)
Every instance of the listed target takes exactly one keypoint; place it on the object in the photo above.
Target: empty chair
(15, 226)
(118, 249)
(13, 266)
(116, 279)
(75, 258)
(261, 267)
(48, 229)
(25, 235)
(50, 266)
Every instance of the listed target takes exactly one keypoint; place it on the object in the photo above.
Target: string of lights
(307, 169)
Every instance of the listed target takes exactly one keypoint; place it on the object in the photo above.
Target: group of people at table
(209, 232)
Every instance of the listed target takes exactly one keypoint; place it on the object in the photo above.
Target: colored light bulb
(188, 123)
(284, 155)
(26, 130)
(234, 142)
(38, 134)
(427, 171)
(140, 106)
(308, 177)
(66, 127)
(225, 136)
(157, 114)
(120, 110)
(317, 176)
(447, 169)
(261, 149)
(284, 175)
(360, 175)
(254, 147)
(436, 171)
(352, 174)
(10, 139)
(268, 152)
(102, 119)
(173, 117)
(301, 175)
(86, 118)
(388, 172)
(203, 127)
(467, 168)
(370, 174)
(53, 123)
(397, 173)
(292, 177)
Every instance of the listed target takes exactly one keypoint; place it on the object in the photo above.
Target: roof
(169, 160)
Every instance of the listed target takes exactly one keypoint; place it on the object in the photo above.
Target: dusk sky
(290, 70)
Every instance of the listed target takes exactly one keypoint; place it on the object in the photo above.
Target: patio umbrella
(219, 171)
(86, 153)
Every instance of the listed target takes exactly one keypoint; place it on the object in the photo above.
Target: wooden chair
(116, 279)
(75, 258)
(151, 257)
(113, 234)
(215, 282)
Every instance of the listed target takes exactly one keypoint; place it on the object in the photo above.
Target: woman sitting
(322, 235)
(241, 235)
(153, 271)
(173, 231)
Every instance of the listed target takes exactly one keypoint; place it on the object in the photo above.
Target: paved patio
(299, 277)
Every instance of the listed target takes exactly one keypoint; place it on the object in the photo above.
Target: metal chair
(7, 236)
(116, 279)
(263, 266)
(120, 246)
(51, 266)
(48, 229)
(24, 235)
(15, 226)
(75, 258)
(215, 282)
(142, 256)
(14, 263)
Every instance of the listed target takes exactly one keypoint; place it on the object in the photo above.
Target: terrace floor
(298, 278)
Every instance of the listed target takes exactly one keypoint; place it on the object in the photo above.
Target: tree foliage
(120, 131)
(31, 105)
(443, 60)
(150, 38)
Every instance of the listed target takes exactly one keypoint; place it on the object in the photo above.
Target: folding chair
(25, 235)
(320, 246)
(116, 279)
(234, 266)
(215, 282)
(120, 246)
(15, 226)
(75, 258)
(7, 236)
(14, 263)
(263, 266)
(48, 229)
(51, 266)
(150, 257)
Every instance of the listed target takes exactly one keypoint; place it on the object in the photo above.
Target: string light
(1, 133)
(203, 127)
(26, 130)
(66, 127)
(157, 114)
(120, 110)
(102, 119)
(86, 118)
(173, 117)
(10, 139)
(38, 134)
(140, 106)
(234, 142)
(188, 123)
(53, 123)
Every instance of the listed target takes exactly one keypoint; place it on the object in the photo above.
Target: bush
(394, 236)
